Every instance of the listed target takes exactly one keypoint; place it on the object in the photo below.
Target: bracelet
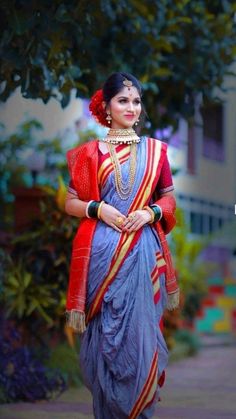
(86, 211)
(151, 212)
(157, 212)
(99, 209)
(93, 209)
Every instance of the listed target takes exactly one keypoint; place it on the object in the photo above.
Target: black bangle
(157, 212)
(93, 209)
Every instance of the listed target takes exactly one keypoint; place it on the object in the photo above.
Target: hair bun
(96, 108)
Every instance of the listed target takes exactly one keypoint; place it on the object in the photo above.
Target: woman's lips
(129, 116)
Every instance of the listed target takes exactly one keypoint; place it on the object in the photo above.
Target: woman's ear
(104, 104)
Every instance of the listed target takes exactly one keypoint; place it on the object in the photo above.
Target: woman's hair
(114, 84)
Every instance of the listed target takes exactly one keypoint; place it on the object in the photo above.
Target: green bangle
(157, 212)
(93, 209)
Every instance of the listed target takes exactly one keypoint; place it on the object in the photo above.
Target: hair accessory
(127, 83)
(97, 109)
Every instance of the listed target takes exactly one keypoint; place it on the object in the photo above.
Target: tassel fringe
(173, 300)
(76, 320)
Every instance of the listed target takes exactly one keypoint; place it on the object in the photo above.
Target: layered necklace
(123, 136)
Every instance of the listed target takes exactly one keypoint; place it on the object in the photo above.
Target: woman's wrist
(93, 209)
(155, 211)
(151, 212)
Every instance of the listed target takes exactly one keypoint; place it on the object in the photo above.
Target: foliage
(65, 358)
(187, 343)
(48, 48)
(191, 271)
(23, 377)
(34, 285)
(25, 296)
(13, 147)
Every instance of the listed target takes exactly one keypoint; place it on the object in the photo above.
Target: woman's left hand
(136, 220)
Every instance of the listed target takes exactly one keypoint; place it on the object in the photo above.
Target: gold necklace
(122, 189)
(122, 136)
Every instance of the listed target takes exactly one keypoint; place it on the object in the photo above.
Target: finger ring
(132, 216)
(119, 220)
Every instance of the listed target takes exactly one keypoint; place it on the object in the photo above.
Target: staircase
(218, 312)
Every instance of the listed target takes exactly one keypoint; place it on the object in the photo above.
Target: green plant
(36, 273)
(66, 359)
(191, 271)
(23, 296)
(13, 151)
(186, 343)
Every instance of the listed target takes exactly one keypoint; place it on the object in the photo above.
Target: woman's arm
(171, 193)
(74, 206)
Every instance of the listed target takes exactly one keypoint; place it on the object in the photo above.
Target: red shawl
(83, 168)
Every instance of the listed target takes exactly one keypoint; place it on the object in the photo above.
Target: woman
(121, 275)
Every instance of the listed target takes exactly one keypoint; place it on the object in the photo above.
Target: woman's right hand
(112, 217)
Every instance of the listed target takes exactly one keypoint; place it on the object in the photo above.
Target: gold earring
(108, 117)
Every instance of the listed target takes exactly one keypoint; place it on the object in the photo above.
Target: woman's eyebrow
(127, 97)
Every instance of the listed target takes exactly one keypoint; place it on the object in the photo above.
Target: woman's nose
(131, 107)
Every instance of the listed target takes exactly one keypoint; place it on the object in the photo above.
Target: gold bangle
(99, 209)
(151, 212)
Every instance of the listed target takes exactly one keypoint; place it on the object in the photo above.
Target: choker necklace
(122, 136)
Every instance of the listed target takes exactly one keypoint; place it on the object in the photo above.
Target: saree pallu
(123, 354)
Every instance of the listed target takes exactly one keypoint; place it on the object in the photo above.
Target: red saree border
(148, 391)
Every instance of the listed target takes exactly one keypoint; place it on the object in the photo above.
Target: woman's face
(125, 108)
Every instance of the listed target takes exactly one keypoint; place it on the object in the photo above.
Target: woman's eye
(122, 100)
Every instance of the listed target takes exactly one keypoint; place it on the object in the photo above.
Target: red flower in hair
(97, 109)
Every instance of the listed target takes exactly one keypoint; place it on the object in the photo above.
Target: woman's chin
(126, 125)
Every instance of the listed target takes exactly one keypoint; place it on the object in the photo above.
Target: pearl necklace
(123, 136)
(123, 190)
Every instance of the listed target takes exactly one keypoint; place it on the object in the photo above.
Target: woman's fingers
(135, 226)
(113, 225)
(136, 220)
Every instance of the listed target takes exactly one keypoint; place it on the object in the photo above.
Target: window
(213, 141)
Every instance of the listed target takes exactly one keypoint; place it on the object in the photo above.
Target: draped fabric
(123, 354)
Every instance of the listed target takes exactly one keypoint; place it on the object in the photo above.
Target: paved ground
(200, 387)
